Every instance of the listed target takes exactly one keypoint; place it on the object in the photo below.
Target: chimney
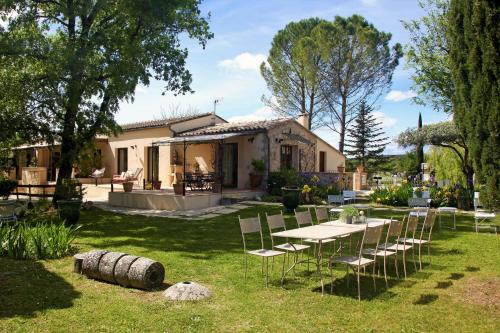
(304, 120)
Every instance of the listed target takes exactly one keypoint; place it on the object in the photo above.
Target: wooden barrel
(146, 274)
(121, 270)
(107, 265)
(90, 265)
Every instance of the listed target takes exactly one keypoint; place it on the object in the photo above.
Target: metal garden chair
(252, 226)
(425, 232)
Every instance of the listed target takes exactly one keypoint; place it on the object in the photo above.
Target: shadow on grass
(27, 288)
(472, 269)
(456, 276)
(443, 284)
(425, 299)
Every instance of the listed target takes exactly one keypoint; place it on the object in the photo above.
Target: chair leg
(330, 265)
(396, 263)
(246, 267)
(413, 256)
(272, 265)
(385, 272)
(429, 252)
(359, 287)
(373, 275)
(347, 275)
(262, 273)
(420, 255)
(404, 262)
(283, 271)
(267, 271)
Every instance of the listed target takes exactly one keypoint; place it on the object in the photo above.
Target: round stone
(187, 291)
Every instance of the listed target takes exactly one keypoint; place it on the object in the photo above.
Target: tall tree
(475, 64)
(358, 68)
(292, 72)
(366, 140)
(419, 146)
(427, 55)
(74, 61)
(445, 135)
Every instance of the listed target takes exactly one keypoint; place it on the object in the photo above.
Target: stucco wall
(136, 142)
(278, 137)
(333, 157)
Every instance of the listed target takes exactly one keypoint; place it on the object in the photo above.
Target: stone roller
(121, 268)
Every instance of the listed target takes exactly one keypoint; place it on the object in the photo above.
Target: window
(286, 157)
(122, 160)
(322, 161)
(153, 163)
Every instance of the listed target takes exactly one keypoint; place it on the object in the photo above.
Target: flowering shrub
(392, 195)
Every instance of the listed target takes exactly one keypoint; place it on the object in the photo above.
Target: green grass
(456, 293)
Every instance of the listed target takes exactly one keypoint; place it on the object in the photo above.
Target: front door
(230, 164)
(153, 163)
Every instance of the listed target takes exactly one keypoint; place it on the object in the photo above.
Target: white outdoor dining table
(320, 232)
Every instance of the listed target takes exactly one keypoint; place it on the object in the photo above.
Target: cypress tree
(474, 61)
(365, 140)
(419, 146)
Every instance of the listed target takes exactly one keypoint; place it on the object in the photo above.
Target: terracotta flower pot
(255, 180)
(127, 186)
(178, 188)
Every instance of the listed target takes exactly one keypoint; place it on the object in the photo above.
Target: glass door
(122, 160)
(230, 164)
(153, 163)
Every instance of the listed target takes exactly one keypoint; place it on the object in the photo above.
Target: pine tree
(366, 139)
(474, 48)
(419, 147)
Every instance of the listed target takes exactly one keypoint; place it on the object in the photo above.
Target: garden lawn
(460, 291)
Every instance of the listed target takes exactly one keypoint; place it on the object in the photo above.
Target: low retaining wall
(163, 201)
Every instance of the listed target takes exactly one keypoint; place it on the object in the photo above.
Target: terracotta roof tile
(160, 122)
(257, 125)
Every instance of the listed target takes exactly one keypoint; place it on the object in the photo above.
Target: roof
(247, 126)
(196, 138)
(160, 122)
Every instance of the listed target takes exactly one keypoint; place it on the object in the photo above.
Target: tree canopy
(359, 64)
(69, 63)
(474, 60)
(427, 54)
(292, 73)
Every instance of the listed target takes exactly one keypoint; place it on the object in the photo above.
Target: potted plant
(157, 184)
(178, 188)
(259, 166)
(291, 192)
(6, 187)
(69, 207)
(348, 213)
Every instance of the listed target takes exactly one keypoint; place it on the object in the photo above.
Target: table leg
(318, 266)
(294, 263)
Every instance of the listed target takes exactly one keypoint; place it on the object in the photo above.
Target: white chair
(251, 226)
(481, 216)
(321, 214)
(98, 173)
(349, 196)
(371, 236)
(426, 228)
(278, 222)
(7, 212)
(335, 199)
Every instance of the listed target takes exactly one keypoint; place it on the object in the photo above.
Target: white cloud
(244, 61)
(140, 89)
(385, 120)
(10, 16)
(263, 113)
(398, 95)
(369, 3)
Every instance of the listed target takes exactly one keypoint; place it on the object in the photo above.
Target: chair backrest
(321, 214)
(335, 198)
(7, 211)
(426, 195)
(349, 194)
(395, 228)
(411, 226)
(371, 236)
(250, 225)
(303, 218)
(275, 222)
(429, 221)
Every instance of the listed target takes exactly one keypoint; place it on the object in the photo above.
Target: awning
(37, 145)
(197, 138)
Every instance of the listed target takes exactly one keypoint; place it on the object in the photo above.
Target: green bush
(271, 198)
(41, 240)
(6, 187)
(259, 166)
(275, 182)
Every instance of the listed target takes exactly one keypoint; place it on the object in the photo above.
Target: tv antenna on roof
(217, 101)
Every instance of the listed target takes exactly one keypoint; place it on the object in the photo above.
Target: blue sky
(227, 68)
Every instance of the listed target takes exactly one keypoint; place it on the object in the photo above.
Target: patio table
(321, 232)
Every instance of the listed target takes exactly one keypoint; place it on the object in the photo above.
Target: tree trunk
(342, 124)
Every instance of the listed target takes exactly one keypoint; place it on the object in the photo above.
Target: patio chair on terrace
(7, 212)
(252, 226)
(127, 176)
(98, 173)
(371, 235)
